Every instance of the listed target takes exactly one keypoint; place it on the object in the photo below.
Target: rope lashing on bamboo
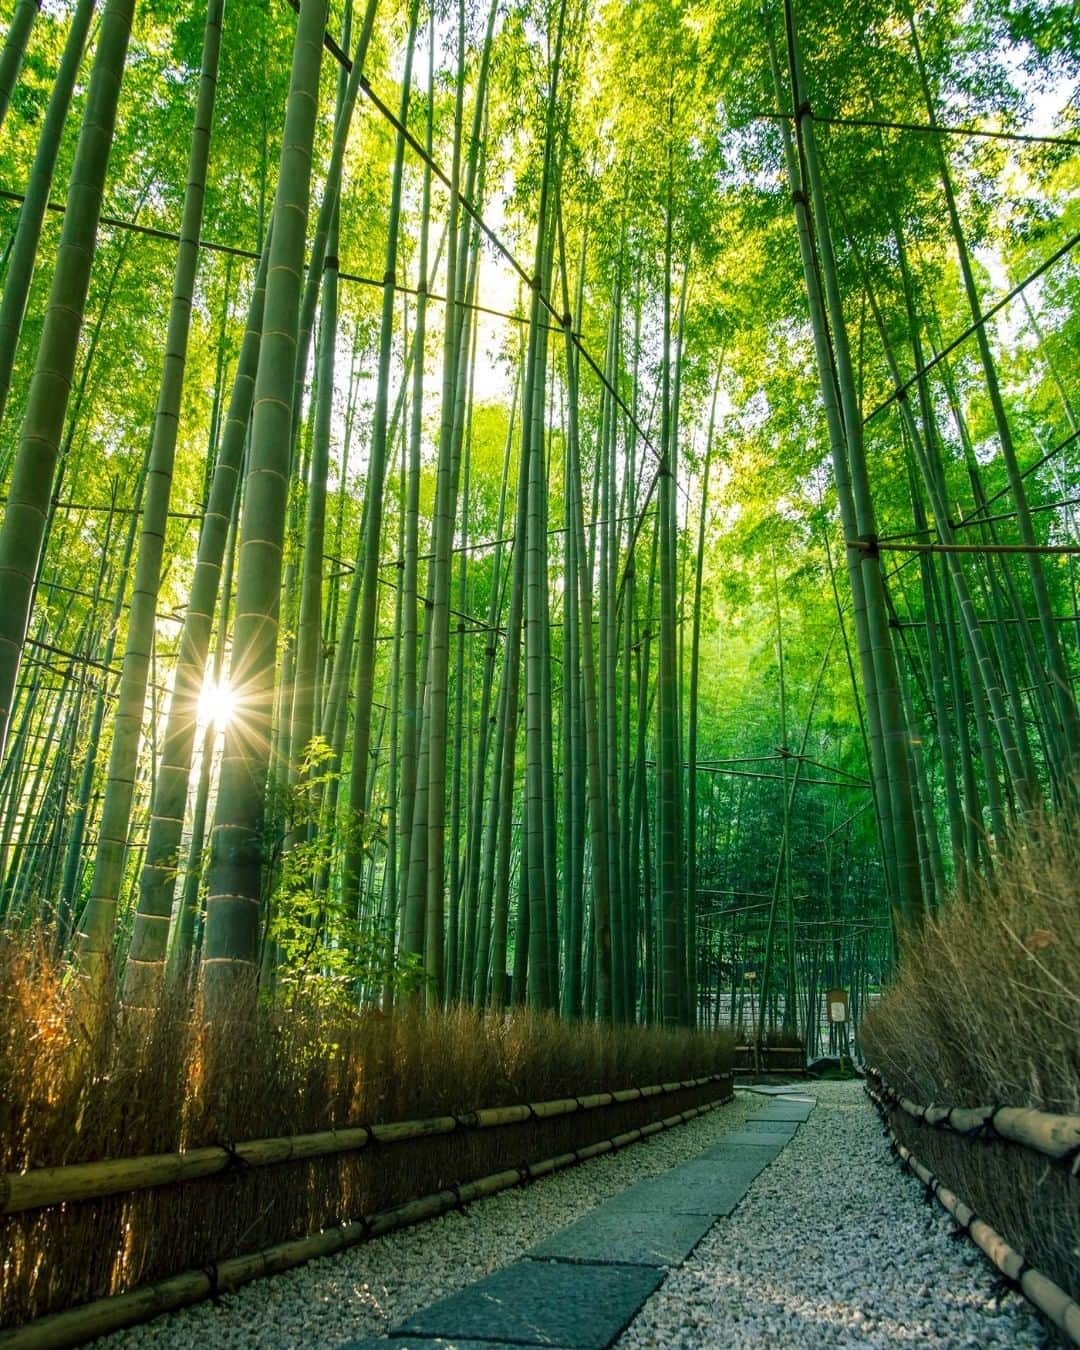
(1055, 1136)
(44, 1186)
(1051, 1300)
(871, 548)
(194, 1286)
(1024, 137)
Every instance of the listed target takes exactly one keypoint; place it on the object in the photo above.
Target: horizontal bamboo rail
(43, 1186)
(872, 546)
(1055, 1136)
(193, 1286)
(1051, 1300)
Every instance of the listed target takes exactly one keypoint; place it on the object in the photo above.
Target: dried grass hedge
(985, 1010)
(77, 1090)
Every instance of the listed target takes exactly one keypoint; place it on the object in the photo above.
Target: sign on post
(837, 1001)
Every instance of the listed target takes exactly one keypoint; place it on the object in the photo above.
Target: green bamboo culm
(99, 918)
(669, 853)
(23, 530)
(231, 943)
(11, 57)
(893, 726)
(149, 936)
(20, 268)
(365, 671)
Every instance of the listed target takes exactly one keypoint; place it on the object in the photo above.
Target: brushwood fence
(95, 1246)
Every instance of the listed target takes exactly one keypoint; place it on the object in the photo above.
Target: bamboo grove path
(781, 1219)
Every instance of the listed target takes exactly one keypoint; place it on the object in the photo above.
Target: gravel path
(831, 1246)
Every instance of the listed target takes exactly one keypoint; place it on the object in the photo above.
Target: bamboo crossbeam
(974, 519)
(43, 1186)
(992, 623)
(1044, 458)
(704, 767)
(866, 546)
(938, 357)
(1051, 1300)
(251, 255)
(1055, 1136)
(194, 1286)
(78, 659)
(935, 129)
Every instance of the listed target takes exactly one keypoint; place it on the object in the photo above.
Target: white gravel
(833, 1245)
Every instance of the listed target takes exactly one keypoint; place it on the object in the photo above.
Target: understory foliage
(78, 1088)
(984, 1011)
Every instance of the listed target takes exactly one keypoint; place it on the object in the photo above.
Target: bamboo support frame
(870, 547)
(1055, 1136)
(1050, 1299)
(78, 1325)
(44, 1186)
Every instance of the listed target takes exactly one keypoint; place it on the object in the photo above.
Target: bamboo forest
(539, 570)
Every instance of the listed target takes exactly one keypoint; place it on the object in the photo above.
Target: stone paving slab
(771, 1125)
(428, 1343)
(709, 1190)
(626, 1236)
(789, 1111)
(550, 1303)
(767, 1090)
(772, 1140)
(582, 1286)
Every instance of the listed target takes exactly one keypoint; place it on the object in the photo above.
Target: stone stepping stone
(771, 1125)
(767, 1091)
(749, 1151)
(552, 1303)
(784, 1111)
(581, 1287)
(633, 1237)
(773, 1140)
(712, 1188)
(426, 1343)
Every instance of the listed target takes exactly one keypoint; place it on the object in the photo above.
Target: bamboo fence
(44, 1186)
(1051, 1300)
(1055, 1136)
(78, 1325)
